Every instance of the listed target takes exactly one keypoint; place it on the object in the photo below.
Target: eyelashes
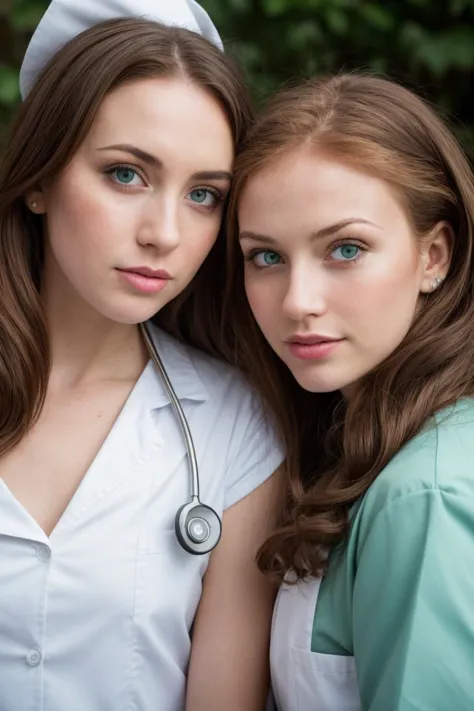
(216, 195)
(348, 257)
(124, 167)
(133, 172)
(350, 251)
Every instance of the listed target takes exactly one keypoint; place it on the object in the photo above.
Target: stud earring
(435, 283)
(33, 204)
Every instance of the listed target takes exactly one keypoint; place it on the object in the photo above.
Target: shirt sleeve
(258, 454)
(414, 605)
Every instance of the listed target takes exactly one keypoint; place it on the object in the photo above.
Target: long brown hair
(384, 129)
(49, 128)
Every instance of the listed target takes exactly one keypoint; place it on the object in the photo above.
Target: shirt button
(33, 657)
(43, 553)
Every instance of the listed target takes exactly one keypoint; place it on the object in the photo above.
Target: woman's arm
(413, 604)
(229, 658)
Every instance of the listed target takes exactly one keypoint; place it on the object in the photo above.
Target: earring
(33, 204)
(435, 283)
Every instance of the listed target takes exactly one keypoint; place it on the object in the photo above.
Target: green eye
(199, 195)
(271, 258)
(125, 175)
(267, 259)
(346, 252)
(204, 197)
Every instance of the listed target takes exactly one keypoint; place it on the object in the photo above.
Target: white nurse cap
(64, 19)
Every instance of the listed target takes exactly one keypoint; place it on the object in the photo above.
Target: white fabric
(97, 617)
(64, 19)
(303, 680)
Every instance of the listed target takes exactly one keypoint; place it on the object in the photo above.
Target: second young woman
(355, 210)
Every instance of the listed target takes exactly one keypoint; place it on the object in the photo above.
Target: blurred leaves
(9, 90)
(25, 14)
(452, 49)
(426, 44)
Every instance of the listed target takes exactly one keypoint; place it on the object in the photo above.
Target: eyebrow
(155, 162)
(324, 232)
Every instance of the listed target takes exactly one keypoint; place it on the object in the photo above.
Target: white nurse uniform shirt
(97, 617)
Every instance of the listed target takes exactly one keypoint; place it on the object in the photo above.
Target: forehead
(305, 185)
(170, 118)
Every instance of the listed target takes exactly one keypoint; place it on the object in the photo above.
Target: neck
(87, 347)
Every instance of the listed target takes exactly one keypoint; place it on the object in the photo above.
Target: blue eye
(124, 175)
(266, 258)
(204, 197)
(346, 252)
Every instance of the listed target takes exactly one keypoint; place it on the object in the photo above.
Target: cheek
(262, 304)
(82, 213)
(383, 303)
(398, 288)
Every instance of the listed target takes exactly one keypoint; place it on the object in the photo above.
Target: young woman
(355, 211)
(112, 192)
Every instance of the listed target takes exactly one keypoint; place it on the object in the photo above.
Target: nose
(305, 294)
(160, 224)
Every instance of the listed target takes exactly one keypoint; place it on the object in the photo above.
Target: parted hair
(337, 449)
(49, 128)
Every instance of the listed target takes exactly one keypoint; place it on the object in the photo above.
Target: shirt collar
(176, 358)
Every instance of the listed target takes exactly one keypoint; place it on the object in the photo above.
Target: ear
(436, 251)
(35, 201)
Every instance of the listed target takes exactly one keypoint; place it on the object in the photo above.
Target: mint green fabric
(400, 595)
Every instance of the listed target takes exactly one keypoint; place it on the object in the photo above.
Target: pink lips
(144, 279)
(313, 346)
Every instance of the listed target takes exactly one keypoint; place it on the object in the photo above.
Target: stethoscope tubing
(178, 410)
(198, 527)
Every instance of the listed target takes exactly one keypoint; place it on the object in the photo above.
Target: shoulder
(230, 415)
(418, 510)
(438, 459)
(218, 381)
(231, 409)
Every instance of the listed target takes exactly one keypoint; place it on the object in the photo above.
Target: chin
(130, 314)
(330, 383)
(320, 383)
(319, 388)
(132, 309)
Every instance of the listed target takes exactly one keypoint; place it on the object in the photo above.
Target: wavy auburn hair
(50, 126)
(337, 449)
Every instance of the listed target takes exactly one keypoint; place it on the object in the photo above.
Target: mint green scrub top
(391, 625)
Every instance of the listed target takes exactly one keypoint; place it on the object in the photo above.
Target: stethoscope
(198, 527)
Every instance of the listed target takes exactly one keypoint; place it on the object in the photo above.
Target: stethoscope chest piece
(198, 528)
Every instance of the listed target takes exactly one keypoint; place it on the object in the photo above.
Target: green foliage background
(426, 44)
